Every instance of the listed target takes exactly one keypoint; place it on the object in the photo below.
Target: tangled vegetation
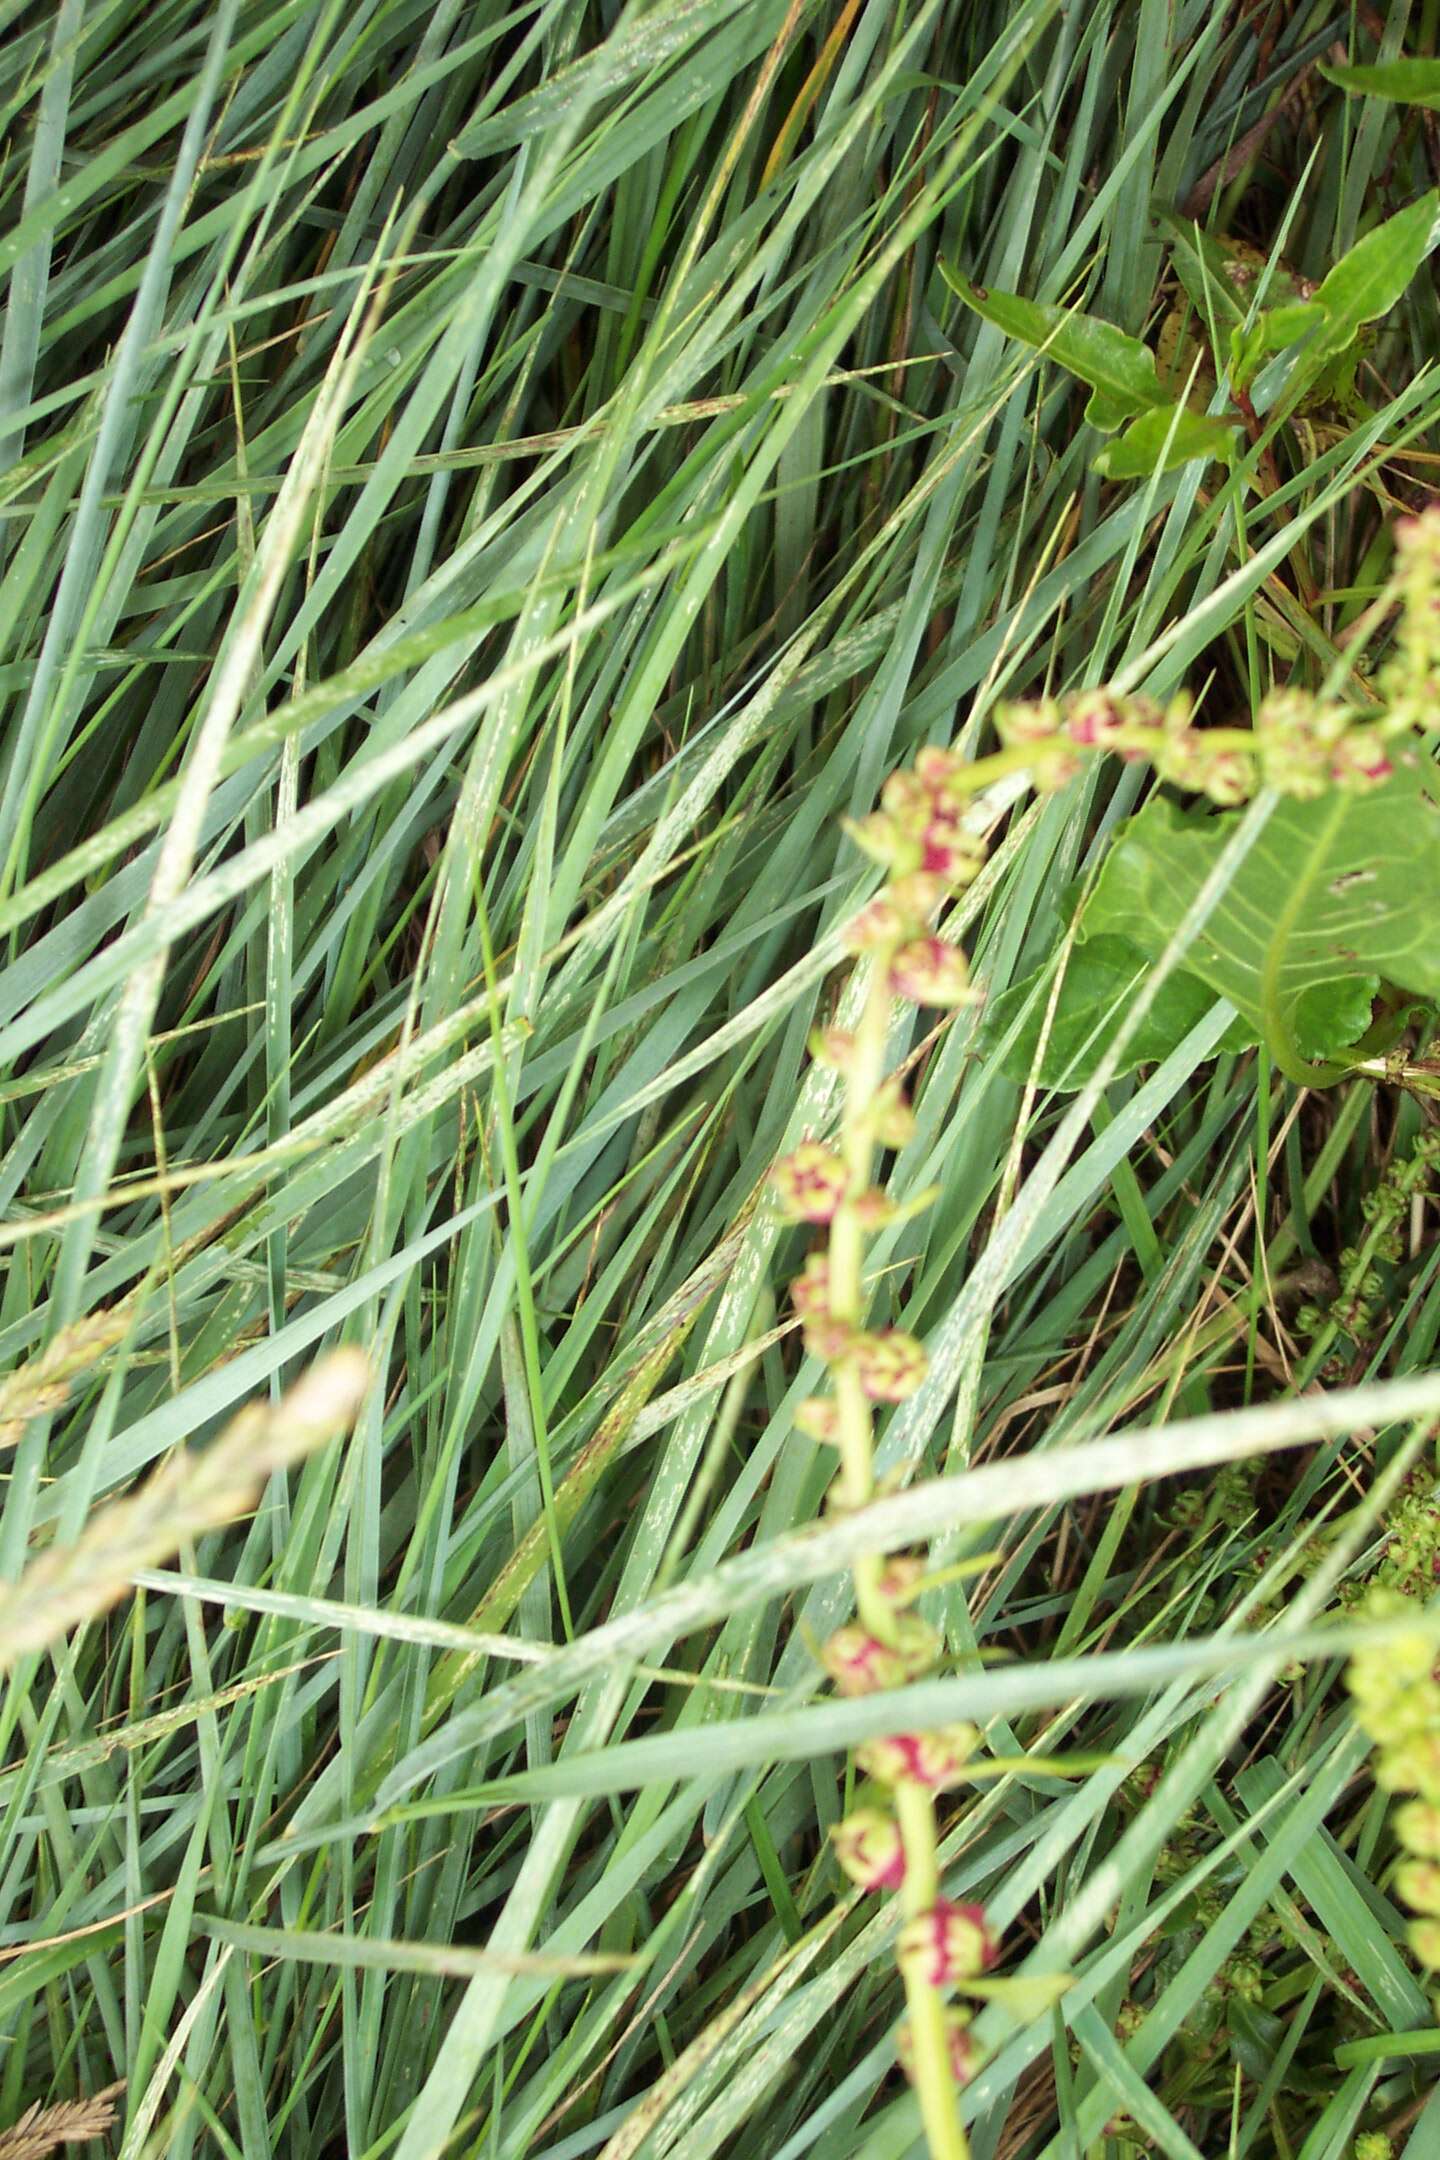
(719, 873)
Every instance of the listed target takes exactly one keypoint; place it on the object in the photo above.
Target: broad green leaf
(1106, 412)
(1119, 368)
(1101, 980)
(1335, 895)
(1162, 439)
(1405, 82)
(1281, 326)
(1371, 276)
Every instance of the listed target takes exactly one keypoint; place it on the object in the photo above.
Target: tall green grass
(482, 493)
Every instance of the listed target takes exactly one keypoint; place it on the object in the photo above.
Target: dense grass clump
(488, 497)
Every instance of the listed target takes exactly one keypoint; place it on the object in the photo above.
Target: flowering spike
(1411, 680)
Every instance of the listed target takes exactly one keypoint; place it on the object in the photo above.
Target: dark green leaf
(1334, 895)
(1281, 326)
(1118, 367)
(1162, 439)
(1101, 981)
(1406, 82)
(1371, 276)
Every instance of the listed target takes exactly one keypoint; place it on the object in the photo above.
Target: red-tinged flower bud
(1297, 718)
(809, 1184)
(966, 2054)
(860, 1664)
(1424, 1939)
(906, 798)
(1303, 776)
(1360, 760)
(930, 972)
(1230, 777)
(900, 1579)
(810, 1289)
(932, 1759)
(869, 1848)
(1037, 721)
(828, 1339)
(947, 1945)
(891, 1364)
(1182, 758)
(879, 927)
(950, 852)
(817, 1417)
(918, 896)
(1096, 719)
(824, 1337)
(1417, 1825)
(873, 1209)
(939, 770)
(832, 1047)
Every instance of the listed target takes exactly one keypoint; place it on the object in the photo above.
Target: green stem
(855, 1424)
(855, 1430)
(935, 2087)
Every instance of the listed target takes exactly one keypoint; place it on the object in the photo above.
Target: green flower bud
(1417, 1883)
(1417, 1825)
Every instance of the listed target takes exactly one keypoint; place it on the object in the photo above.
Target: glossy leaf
(1371, 276)
(1335, 895)
(1162, 440)
(1119, 368)
(1404, 82)
(1102, 978)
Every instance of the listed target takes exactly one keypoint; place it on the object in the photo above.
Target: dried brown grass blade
(70, 2122)
(186, 1496)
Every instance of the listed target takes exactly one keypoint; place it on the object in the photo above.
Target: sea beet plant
(1301, 746)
